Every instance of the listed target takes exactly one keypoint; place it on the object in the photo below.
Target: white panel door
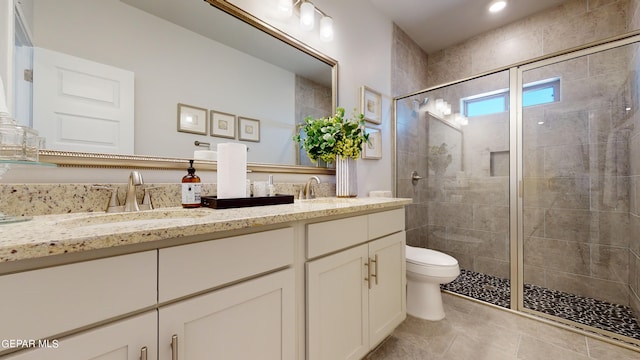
(81, 105)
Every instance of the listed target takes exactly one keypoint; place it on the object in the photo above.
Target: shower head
(417, 104)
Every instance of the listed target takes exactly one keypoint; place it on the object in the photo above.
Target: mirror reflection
(109, 75)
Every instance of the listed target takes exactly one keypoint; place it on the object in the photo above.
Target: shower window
(542, 92)
(486, 104)
(537, 93)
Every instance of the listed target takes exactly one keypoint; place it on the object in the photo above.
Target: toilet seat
(430, 262)
(422, 256)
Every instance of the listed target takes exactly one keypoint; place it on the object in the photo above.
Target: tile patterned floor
(475, 331)
(599, 314)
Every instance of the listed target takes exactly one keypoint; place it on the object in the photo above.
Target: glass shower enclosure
(530, 177)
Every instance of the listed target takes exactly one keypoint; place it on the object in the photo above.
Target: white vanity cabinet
(252, 319)
(322, 285)
(355, 284)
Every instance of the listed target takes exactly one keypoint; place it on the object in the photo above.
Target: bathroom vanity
(317, 279)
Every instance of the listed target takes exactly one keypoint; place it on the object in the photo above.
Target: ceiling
(438, 24)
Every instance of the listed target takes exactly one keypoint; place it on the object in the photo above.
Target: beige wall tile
(563, 224)
(559, 255)
(610, 263)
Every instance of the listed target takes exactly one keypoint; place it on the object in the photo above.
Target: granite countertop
(71, 233)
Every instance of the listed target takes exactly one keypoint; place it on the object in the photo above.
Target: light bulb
(446, 110)
(307, 16)
(326, 29)
(285, 7)
(497, 5)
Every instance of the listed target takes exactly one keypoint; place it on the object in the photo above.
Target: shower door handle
(415, 177)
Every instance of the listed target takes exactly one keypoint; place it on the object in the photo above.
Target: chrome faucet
(131, 201)
(308, 188)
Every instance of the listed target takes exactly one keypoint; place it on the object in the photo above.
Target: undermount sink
(93, 219)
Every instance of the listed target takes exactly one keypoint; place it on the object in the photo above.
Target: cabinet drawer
(385, 223)
(188, 269)
(330, 236)
(45, 302)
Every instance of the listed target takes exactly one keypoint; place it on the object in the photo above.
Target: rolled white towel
(205, 155)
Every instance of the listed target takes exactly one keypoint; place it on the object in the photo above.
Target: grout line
(519, 343)
(586, 342)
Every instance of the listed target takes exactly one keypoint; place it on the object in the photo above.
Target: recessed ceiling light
(497, 5)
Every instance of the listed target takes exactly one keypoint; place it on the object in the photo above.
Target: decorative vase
(346, 177)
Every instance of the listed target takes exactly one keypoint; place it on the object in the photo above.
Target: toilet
(426, 270)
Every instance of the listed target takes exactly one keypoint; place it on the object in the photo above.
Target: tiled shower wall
(611, 259)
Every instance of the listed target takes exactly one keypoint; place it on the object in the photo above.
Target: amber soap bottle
(191, 188)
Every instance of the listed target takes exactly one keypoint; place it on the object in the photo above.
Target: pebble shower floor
(599, 314)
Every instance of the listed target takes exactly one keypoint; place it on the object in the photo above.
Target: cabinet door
(387, 297)
(122, 340)
(254, 319)
(337, 306)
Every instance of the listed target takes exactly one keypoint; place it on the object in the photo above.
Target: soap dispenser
(271, 187)
(191, 188)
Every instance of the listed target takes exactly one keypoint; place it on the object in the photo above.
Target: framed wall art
(371, 105)
(222, 124)
(192, 119)
(372, 149)
(249, 129)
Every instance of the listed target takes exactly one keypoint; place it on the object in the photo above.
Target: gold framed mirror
(147, 159)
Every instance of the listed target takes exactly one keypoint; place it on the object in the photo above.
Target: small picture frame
(371, 105)
(222, 124)
(249, 129)
(372, 149)
(192, 119)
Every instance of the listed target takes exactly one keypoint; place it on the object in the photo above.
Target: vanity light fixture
(307, 13)
(497, 5)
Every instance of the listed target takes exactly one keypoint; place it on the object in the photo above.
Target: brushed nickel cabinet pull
(375, 275)
(368, 278)
(143, 353)
(174, 347)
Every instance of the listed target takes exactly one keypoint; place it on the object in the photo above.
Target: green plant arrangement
(329, 137)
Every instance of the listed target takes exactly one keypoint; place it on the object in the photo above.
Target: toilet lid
(429, 257)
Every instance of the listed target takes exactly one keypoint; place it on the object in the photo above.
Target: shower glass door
(580, 177)
(455, 139)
